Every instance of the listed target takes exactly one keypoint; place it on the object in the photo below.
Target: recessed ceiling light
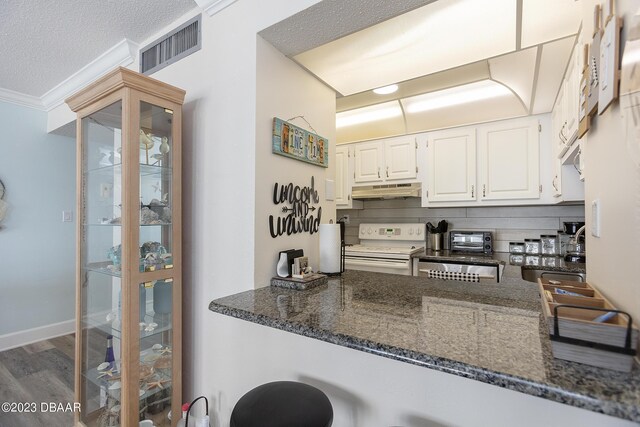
(484, 89)
(386, 110)
(385, 90)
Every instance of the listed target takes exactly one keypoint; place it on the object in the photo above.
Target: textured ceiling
(332, 19)
(44, 42)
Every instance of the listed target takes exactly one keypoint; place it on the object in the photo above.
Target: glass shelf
(102, 268)
(145, 170)
(115, 327)
(164, 224)
(93, 375)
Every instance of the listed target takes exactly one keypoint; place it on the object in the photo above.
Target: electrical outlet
(67, 216)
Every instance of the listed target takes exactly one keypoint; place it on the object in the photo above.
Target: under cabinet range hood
(389, 191)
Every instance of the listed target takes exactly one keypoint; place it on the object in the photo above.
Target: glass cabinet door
(155, 188)
(156, 254)
(101, 266)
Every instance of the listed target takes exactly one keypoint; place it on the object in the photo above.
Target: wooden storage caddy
(576, 337)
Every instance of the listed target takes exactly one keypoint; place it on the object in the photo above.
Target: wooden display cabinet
(128, 275)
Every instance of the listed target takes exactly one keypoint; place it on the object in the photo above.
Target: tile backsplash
(508, 223)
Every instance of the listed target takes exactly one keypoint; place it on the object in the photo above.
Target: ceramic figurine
(146, 143)
(164, 146)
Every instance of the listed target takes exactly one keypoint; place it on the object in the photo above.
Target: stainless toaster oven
(476, 242)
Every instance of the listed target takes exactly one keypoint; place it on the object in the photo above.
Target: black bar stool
(283, 404)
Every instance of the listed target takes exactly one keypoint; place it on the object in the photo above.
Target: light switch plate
(67, 216)
(329, 190)
(595, 218)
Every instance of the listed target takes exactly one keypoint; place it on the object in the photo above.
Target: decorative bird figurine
(146, 143)
(164, 146)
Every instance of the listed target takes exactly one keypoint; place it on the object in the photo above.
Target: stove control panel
(393, 231)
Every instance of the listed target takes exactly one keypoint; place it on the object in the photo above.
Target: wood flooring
(39, 372)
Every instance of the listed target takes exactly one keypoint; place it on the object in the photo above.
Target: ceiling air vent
(172, 47)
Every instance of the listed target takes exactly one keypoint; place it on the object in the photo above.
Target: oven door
(379, 265)
(458, 272)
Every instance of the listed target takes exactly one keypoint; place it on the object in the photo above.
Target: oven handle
(389, 264)
(481, 276)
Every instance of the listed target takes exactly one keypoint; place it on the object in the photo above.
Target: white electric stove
(386, 248)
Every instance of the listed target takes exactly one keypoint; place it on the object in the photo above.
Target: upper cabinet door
(369, 162)
(509, 160)
(342, 177)
(451, 158)
(572, 95)
(400, 158)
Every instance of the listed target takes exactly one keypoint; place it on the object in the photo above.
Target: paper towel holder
(342, 249)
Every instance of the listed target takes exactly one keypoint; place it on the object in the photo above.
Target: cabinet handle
(378, 172)
(473, 188)
(576, 160)
(387, 171)
(554, 182)
(348, 196)
(484, 190)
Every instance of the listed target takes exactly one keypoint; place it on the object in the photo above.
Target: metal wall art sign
(298, 213)
(297, 143)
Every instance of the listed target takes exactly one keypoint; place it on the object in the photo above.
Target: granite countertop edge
(462, 369)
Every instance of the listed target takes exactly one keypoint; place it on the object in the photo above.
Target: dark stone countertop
(493, 333)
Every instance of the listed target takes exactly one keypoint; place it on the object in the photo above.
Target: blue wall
(37, 250)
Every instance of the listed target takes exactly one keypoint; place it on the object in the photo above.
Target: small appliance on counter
(471, 242)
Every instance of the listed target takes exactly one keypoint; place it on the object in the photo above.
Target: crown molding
(120, 55)
(213, 6)
(21, 99)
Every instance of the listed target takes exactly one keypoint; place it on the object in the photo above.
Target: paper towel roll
(329, 248)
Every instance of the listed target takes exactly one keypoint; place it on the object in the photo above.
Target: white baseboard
(29, 336)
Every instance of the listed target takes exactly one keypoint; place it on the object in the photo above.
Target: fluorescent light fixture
(386, 110)
(484, 89)
(386, 90)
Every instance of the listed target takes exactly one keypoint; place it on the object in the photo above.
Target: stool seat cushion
(283, 404)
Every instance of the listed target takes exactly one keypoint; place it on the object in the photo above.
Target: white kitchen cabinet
(400, 158)
(369, 161)
(385, 160)
(451, 165)
(344, 178)
(509, 160)
(569, 177)
(566, 183)
(567, 106)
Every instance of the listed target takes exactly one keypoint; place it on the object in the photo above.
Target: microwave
(476, 242)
